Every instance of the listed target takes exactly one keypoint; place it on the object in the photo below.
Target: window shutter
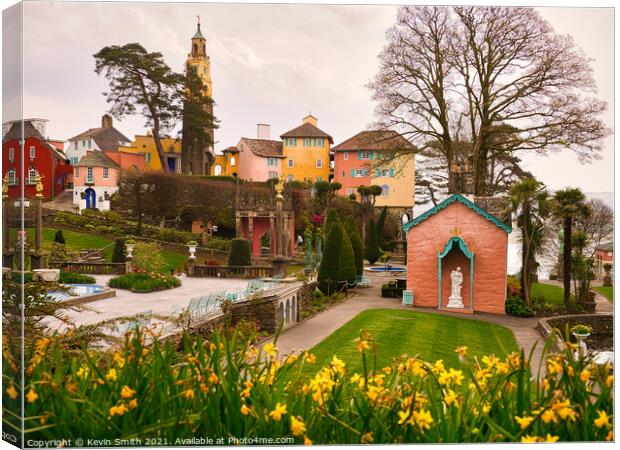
(352, 173)
(359, 155)
(391, 172)
(364, 172)
(371, 154)
(377, 173)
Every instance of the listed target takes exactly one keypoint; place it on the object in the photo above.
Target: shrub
(76, 278)
(347, 270)
(240, 253)
(513, 286)
(381, 226)
(329, 270)
(330, 219)
(59, 237)
(390, 290)
(118, 252)
(147, 256)
(356, 243)
(516, 306)
(372, 246)
(213, 262)
(144, 282)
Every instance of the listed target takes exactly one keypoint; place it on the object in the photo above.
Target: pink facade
(97, 176)
(345, 165)
(127, 161)
(262, 159)
(438, 242)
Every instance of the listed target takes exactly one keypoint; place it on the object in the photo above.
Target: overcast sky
(270, 64)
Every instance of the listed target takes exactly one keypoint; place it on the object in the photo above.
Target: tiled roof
(375, 140)
(107, 139)
(29, 131)
(231, 149)
(96, 159)
(307, 130)
(452, 199)
(609, 247)
(264, 147)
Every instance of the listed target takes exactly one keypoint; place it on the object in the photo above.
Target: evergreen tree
(372, 246)
(240, 254)
(380, 225)
(332, 218)
(59, 237)
(329, 270)
(356, 242)
(118, 253)
(347, 270)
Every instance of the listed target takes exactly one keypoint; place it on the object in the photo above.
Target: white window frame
(319, 142)
(10, 177)
(106, 173)
(291, 142)
(271, 162)
(319, 163)
(147, 157)
(11, 154)
(307, 142)
(385, 192)
(33, 152)
(233, 160)
(359, 173)
(75, 145)
(345, 156)
(32, 175)
(365, 155)
(291, 164)
(74, 160)
(90, 175)
(273, 174)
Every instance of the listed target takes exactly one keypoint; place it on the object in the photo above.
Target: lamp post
(7, 253)
(36, 258)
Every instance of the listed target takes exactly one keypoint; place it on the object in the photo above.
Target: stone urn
(129, 245)
(581, 333)
(192, 245)
(46, 275)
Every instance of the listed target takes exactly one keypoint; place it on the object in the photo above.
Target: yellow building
(145, 145)
(306, 152)
(226, 164)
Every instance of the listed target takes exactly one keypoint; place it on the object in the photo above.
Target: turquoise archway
(469, 254)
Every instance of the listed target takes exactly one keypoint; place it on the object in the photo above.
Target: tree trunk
(160, 149)
(568, 231)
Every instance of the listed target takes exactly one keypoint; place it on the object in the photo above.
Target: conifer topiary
(59, 237)
(118, 253)
(356, 242)
(329, 270)
(372, 246)
(332, 218)
(381, 225)
(347, 270)
(240, 254)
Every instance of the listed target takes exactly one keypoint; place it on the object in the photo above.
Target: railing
(243, 272)
(93, 268)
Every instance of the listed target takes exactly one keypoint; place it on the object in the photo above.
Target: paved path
(602, 304)
(310, 332)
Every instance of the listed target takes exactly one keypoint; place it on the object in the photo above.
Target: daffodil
(602, 420)
(133, 403)
(298, 427)
(270, 350)
(127, 392)
(188, 393)
(278, 412)
(111, 375)
(245, 410)
(82, 372)
(450, 398)
(549, 416)
(118, 410)
(11, 392)
(462, 351)
(307, 441)
(423, 419)
(524, 422)
(31, 396)
(550, 438)
(528, 438)
(363, 345)
(368, 438)
(213, 378)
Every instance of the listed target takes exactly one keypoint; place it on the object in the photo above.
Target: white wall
(101, 204)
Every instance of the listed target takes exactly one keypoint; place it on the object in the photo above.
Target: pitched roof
(264, 147)
(452, 199)
(231, 149)
(96, 159)
(375, 140)
(15, 132)
(307, 130)
(608, 247)
(106, 138)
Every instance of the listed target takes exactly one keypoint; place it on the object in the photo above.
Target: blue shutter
(377, 173)
(371, 154)
(352, 173)
(364, 172)
(359, 155)
(391, 172)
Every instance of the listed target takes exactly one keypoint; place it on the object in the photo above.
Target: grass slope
(606, 291)
(77, 241)
(553, 295)
(431, 336)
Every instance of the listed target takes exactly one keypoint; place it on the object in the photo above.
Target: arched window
(385, 190)
(217, 170)
(405, 218)
(233, 161)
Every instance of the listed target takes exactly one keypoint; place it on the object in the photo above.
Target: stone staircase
(62, 202)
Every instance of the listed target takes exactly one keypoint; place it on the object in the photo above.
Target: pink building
(127, 161)
(262, 158)
(95, 179)
(457, 233)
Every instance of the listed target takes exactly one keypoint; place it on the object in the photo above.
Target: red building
(40, 156)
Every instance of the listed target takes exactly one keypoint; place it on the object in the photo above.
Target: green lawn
(77, 241)
(431, 336)
(606, 291)
(553, 295)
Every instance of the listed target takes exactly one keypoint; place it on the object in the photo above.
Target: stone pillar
(7, 253)
(36, 259)
(238, 229)
(272, 230)
(191, 267)
(251, 234)
(129, 257)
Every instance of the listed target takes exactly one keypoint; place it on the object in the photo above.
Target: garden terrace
(601, 338)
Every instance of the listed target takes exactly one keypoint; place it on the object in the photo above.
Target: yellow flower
(127, 392)
(584, 375)
(188, 393)
(83, 372)
(133, 403)
(368, 438)
(524, 422)
(111, 375)
(438, 366)
(298, 427)
(363, 345)
(213, 378)
(570, 371)
(31, 396)
(528, 438)
(490, 361)
(119, 360)
(245, 410)
(462, 351)
(549, 416)
(270, 350)
(423, 419)
(337, 365)
(118, 410)
(544, 384)
(565, 413)
(610, 436)
(609, 381)
(486, 408)
(291, 359)
(278, 412)
(550, 438)
(602, 420)
(307, 441)
(451, 398)
(309, 358)
(11, 392)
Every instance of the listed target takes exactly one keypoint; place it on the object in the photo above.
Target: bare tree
(450, 74)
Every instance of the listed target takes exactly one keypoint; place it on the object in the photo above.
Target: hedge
(240, 253)
(356, 243)
(372, 245)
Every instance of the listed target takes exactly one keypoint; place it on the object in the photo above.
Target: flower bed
(227, 387)
(144, 282)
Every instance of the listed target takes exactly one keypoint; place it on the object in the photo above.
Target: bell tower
(197, 155)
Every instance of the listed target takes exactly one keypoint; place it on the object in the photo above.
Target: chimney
(263, 131)
(106, 121)
(310, 119)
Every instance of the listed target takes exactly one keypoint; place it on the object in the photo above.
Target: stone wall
(602, 328)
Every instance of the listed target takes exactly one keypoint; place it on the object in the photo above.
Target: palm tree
(569, 203)
(529, 199)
